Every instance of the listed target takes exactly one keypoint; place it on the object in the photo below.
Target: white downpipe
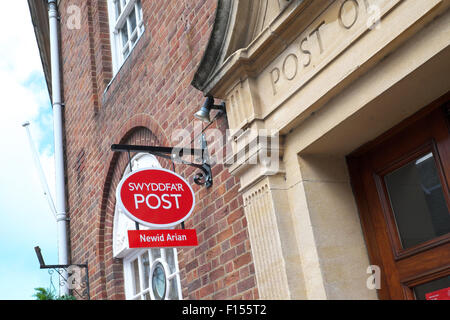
(61, 217)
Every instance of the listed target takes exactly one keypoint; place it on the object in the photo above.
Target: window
(126, 26)
(152, 274)
(149, 274)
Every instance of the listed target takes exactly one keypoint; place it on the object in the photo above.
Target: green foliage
(43, 294)
(47, 294)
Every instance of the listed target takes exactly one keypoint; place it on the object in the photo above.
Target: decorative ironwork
(175, 153)
(69, 275)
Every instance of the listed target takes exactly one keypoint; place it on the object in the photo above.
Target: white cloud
(18, 48)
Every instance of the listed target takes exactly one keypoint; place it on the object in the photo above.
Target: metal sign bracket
(175, 154)
(60, 269)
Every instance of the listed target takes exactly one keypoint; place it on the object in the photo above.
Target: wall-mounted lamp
(204, 113)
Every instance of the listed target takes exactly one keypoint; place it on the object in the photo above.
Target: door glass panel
(418, 202)
(434, 290)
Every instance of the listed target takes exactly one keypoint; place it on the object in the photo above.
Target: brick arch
(141, 129)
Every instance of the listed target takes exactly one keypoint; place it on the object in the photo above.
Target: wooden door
(401, 185)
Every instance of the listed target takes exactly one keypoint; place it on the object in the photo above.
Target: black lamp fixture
(204, 113)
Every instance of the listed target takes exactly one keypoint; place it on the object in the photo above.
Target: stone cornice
(215, 45)
(253, 58)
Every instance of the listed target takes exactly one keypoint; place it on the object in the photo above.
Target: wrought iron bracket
(62, 269)
(175, 153)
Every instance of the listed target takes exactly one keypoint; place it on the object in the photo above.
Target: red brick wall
(148, 99)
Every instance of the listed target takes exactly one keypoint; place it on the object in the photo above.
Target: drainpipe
(61, 217)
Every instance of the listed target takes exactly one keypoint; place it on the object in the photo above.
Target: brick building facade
(353, 96)
(146, 100)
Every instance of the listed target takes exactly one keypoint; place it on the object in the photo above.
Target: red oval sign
(155, 197)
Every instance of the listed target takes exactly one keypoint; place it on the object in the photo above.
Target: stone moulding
(238, 23)
(215, 45)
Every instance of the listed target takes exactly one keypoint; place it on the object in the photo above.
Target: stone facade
(325, 77)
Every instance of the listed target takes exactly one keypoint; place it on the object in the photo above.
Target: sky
(25, 218)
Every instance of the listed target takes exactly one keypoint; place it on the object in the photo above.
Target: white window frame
(117, 23)
(130, 291)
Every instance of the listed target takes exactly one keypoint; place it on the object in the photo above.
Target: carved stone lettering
(305, 52)
(348, 20)
(275, 76)
(319, 38)
(290, 66)
(318, 44)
